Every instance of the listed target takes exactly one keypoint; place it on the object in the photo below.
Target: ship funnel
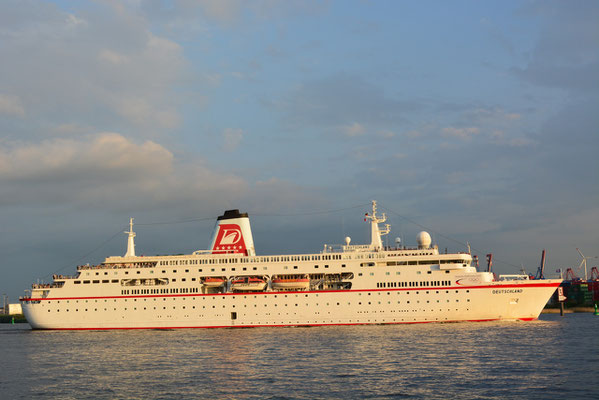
(232, 234)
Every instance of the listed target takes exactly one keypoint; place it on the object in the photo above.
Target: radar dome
(424, 240)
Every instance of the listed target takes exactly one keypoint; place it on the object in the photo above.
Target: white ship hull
(491, 301)
(358, 285)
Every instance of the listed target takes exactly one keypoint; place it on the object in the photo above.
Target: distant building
(15, 309)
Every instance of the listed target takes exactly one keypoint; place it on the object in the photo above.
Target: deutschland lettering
(501, 291)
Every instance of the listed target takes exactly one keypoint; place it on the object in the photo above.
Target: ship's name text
(501, 291)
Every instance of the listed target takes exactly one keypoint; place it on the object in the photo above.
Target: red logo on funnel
(229, 240)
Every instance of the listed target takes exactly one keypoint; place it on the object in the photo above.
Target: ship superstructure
(228, 285)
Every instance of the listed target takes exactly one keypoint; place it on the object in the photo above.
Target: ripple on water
(553, 358)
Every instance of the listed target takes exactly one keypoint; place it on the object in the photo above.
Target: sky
(476, 121)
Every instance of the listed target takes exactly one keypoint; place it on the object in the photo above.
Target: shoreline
(568, 310)
(7, 319)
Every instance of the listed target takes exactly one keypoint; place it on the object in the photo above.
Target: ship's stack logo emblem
(229, 240)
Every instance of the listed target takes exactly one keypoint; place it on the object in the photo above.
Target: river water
(551, 358)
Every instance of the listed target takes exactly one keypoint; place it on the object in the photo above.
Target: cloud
(106, 67)
(11, 105)
(353, 130)
(106, 156)
(113, 57)
(231, 13)
(331, 102)
(572, 33)
(108, 171)
(461, 133)
(232, 138)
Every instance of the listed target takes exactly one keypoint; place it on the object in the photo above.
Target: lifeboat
(214, 282)
(248, 284)
(290, 282)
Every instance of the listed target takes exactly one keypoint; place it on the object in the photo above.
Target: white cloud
(353, 130)
(106, 67)
(106, 155)
(11, 105)
(232, 138)
(385, 134)
(113, 57)
(461, 133)
(108, 171)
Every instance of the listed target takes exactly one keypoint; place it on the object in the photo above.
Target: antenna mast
(130, 240)
(375, 231)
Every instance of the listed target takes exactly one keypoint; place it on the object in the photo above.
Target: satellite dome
(424, 240)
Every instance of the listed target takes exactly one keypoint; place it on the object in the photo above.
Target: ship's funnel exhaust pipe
(232, 234)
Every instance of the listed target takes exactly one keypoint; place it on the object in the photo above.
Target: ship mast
(130, 240)
(375, 232)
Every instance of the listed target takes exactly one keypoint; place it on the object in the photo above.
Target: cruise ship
(228, 285)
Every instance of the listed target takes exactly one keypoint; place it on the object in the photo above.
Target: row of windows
(193, 307)
(426, 262)
(233, 269)
(218, 297)
(161, 291)
(212, 298)
(412, 284)
(312, 257)
(268, 259)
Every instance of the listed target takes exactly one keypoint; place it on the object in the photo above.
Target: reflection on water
(554, 357)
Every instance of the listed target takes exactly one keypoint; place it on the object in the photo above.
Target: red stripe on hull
(528, 285)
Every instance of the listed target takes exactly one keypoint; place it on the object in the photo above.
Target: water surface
(552, 358)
